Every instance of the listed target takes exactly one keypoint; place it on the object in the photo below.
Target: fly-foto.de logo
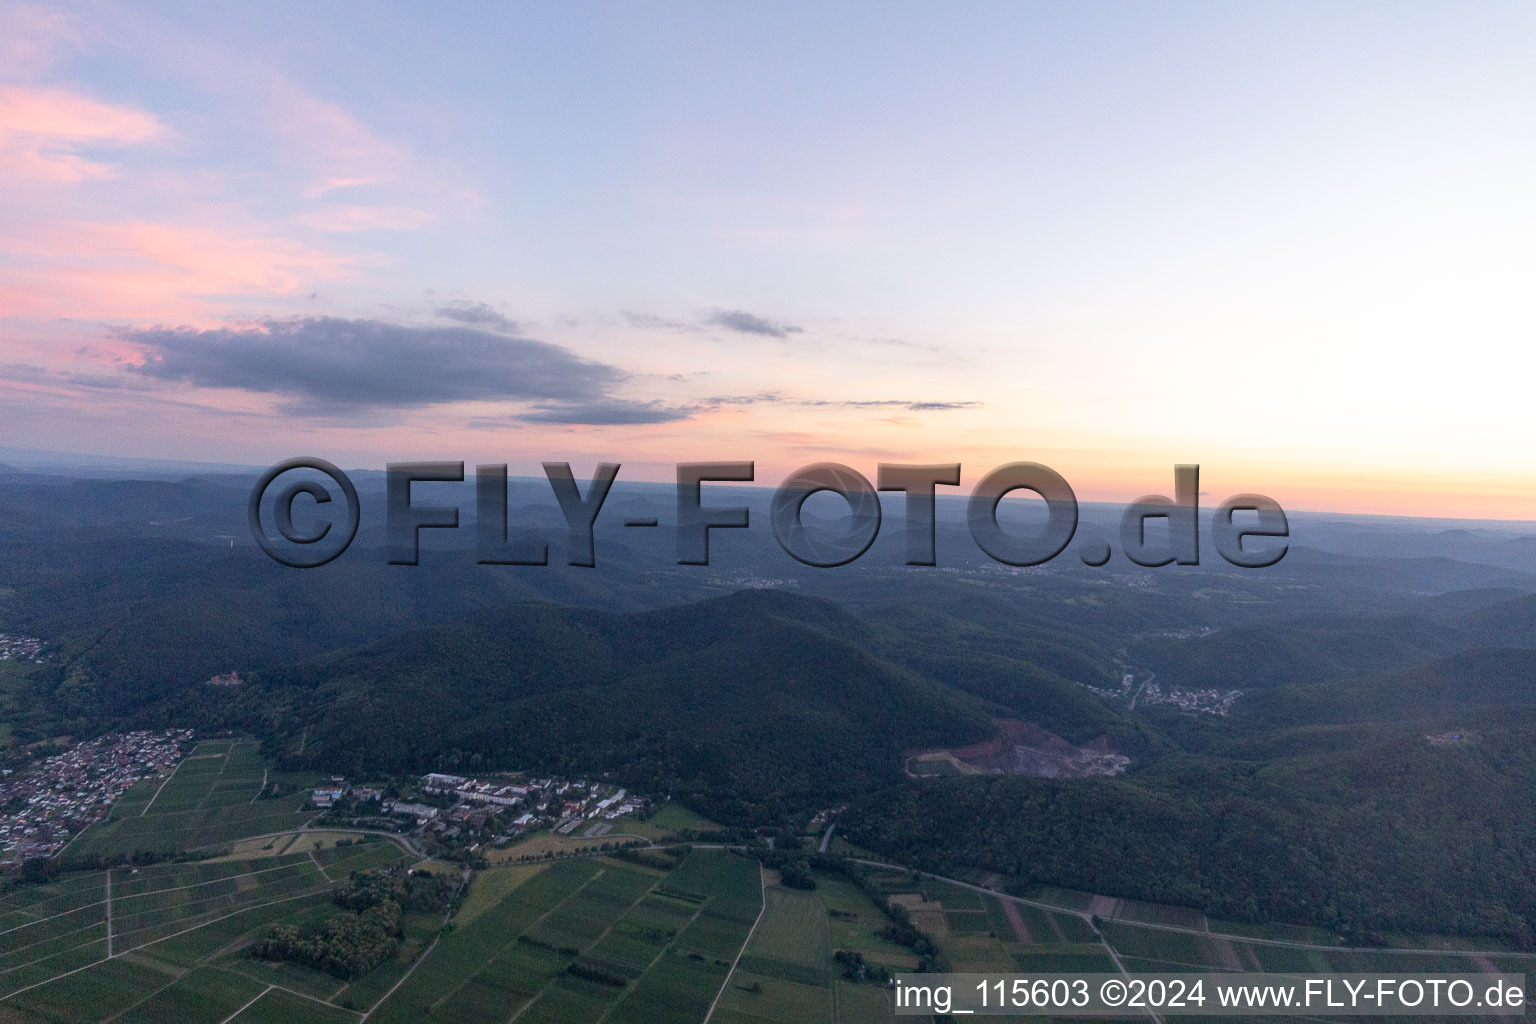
(1248, 530)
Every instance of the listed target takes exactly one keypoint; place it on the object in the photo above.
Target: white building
(419, 811)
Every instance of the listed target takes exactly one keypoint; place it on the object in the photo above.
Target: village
(1209, 701)
(21, 648)
(470, 811)
(43, 804)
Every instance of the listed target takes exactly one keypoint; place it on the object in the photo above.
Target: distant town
(476, 811)
(1208, 701)
(21, 648)
(43, 804)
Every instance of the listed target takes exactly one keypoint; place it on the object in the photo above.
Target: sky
(1291, 242)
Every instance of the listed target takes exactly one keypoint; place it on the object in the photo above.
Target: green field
(787, 972)
(164, 942)
(276, 1006)
(1157, 913)
(588, 937)
(669, 818)
(211, 798)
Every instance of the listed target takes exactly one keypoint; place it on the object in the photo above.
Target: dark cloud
(652, 322)
(748, 323)
(328, 365)
(361, 370)
(730, 319)
(31, 373)
(757, 398)
(477, 314)
(607, 412)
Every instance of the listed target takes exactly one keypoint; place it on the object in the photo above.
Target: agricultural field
(788, 972)
(491, 887)
(214, 796)
(166, 941)
(298, 842)
(983, 931)
(546, 844)
(668, 819)
(587, 938)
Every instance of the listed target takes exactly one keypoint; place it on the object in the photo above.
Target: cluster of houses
(44, 804)
(1207, 701)
(509, 805)
(561, 803)
(1210, 701)
(20, 648)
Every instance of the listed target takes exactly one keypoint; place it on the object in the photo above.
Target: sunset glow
(1293, 249)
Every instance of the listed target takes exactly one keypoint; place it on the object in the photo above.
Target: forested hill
(1320, 647)
(1405, 834)
(1444, 691)
(747, 706)
(1393, 802)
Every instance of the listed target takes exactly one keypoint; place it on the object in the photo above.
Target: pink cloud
(330, 185)
(138, 270)
(68, 116)
(41, 128)
(368, 218)
(37, 165)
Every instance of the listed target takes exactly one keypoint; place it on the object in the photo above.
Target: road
(1144, 684)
